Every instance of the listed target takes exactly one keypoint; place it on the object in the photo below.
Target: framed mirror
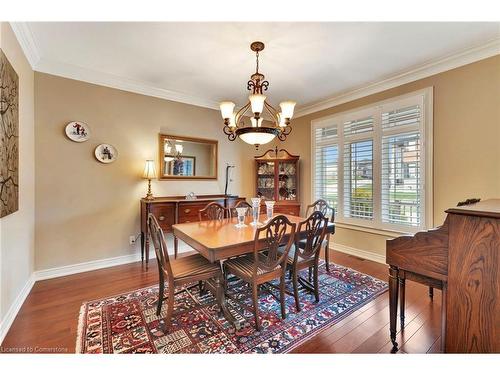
(187, 158)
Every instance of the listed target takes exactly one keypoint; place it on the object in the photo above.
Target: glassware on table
(269, 209)
(255, 211)
(241, 211)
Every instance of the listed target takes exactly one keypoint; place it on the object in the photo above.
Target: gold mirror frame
(161, 155)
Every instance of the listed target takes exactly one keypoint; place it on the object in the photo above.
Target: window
(374, 164)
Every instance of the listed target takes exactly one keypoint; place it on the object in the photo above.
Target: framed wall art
(9, 137)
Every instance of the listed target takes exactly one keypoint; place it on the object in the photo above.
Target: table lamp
(149, 173)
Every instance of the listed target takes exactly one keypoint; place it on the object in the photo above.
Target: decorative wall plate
(78, 131)
(105, 153)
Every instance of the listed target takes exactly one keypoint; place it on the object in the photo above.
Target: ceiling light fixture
(257, 133)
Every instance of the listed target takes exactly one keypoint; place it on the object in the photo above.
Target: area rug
(128, 323)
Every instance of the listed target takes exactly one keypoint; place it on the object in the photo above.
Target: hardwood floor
(47, 321)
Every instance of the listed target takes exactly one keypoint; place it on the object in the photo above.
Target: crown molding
(38, 63)
(109, 80)
(27, 42)
(464, 57)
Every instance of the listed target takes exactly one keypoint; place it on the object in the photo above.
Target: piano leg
(402, 283)
(393, 305)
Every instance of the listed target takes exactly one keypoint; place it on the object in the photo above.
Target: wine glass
(269, 209)
(241, 211)
(255, 211)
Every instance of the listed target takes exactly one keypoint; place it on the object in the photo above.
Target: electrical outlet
(132, 240)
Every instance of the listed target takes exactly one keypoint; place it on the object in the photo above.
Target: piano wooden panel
(473, 318)
(462, 258)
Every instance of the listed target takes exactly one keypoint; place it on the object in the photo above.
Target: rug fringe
(79, 330)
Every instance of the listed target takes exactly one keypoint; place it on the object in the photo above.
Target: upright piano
(462, 259)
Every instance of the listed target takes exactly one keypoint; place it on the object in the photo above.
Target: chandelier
(256, 133)
(169, 155)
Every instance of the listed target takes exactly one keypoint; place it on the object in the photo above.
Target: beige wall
(466, 140)
(86, 210)
(17, 229)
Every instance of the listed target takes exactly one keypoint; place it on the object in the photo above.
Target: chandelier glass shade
(259, 130)
(169, 155)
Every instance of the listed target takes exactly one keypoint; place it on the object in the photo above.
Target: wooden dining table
(218, 240)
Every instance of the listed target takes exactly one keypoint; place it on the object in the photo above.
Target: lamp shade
(179, 148)
(257, 138)
(149, 170)
(256, 123)
(257, 102)
(287, 108)
(226, 109)
(282, 120)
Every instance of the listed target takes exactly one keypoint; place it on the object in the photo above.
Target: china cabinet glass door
(287, 181)
(265, 180)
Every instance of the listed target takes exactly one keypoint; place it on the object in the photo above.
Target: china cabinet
(277, 179)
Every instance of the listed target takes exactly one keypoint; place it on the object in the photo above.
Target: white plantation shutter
(358, 179)
(401, 167)
(374, 166)
(326, 164)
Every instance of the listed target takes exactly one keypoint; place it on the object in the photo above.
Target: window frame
(424, 98)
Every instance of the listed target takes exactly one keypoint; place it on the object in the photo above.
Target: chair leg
(309, 276)
(170, 308)
(402, 283)
(201, 287)
(282, 296)
(255, 290)
(327, 253)
(160, 298)
(316, 282)
(431, 292)
(296, 289)
(160, 295)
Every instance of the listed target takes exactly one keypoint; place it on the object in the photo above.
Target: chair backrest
(315, 228)
(276, 238)
(158, 240)
(212, 211)
(322, 206)
(244, 204)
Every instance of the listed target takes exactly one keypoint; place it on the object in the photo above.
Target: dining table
(218, 240)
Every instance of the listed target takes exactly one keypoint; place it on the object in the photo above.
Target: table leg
(142, 246)
(216, 286)
(176, 246)
(393, 305)
(147, 252)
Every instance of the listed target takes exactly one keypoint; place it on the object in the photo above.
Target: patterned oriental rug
(128, 323)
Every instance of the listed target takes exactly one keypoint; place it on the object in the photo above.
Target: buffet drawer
(165, 214)
(188, 212)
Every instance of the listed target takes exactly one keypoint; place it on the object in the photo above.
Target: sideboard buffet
(175, 210)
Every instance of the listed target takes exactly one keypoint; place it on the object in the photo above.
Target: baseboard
(88, 266)
(15, 307)
(359, 253)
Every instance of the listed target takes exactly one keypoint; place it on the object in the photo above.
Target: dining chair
(244, 204)
(178, 272)
(305, 254)
(213, 211)
(322, 206)
(267, 261)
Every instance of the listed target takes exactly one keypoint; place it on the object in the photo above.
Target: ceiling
(204, 63)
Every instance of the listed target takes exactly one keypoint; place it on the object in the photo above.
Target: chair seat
(192, 265)
(243, 266)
